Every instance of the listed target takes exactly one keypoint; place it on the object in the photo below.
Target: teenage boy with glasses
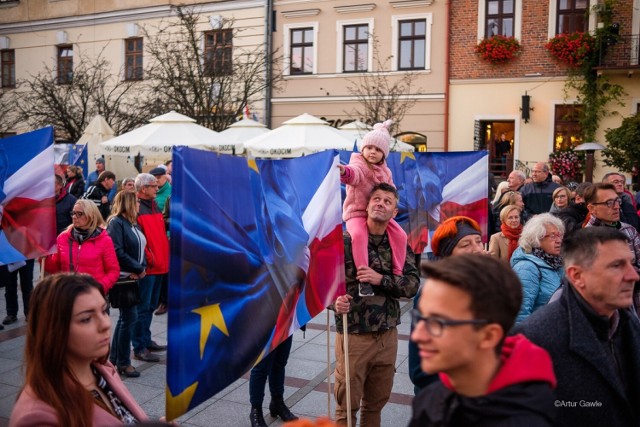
(460, 329)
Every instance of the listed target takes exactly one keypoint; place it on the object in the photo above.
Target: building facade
(331, 47)
(55, 34)
(486, 100)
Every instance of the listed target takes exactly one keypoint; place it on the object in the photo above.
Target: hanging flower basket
(571, 49)
(567, 163)
(498, 49)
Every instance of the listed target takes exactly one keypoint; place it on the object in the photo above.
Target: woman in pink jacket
(85, 247)
(365, 170)
(68, 380)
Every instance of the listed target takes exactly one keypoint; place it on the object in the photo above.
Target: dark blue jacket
(127, 245)
(64, 206)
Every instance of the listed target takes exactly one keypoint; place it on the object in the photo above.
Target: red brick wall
(534, 58)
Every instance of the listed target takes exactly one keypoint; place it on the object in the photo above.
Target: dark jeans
(149, 294)
(121, 345)
(10, 281)
(271, 366)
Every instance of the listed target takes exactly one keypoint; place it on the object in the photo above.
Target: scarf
(513, 234)
(81, 235)
(554, 261)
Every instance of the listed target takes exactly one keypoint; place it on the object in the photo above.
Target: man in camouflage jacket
(371, 320)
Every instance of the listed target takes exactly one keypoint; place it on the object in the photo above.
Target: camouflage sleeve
(406, 285)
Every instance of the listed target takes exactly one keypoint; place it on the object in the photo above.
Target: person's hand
(341, 167)
(104, 200)
(368, 275)
(343, 304)
(171, 423)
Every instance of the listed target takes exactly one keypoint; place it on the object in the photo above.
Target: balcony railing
(623, 54)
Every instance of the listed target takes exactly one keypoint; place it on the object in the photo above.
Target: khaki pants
(372, 358)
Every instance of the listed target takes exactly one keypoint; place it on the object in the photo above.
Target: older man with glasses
(538, 195)
(627, 208)
(151, 223)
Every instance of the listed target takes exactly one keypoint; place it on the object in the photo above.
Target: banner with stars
(256, 252)
(437, 186)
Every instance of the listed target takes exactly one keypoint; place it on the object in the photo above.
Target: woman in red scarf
(503, 243)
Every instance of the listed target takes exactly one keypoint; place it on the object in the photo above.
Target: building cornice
(300, 13)
(489, 81)
(410, 3)
(334, 99)
(133, 14)
(368, 7)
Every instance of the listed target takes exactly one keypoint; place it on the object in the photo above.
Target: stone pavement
(305, 384)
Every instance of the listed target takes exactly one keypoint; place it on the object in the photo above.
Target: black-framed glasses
(436, 325)
(77, 213)
(610, 203)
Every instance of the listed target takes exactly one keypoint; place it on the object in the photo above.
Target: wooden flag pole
(328, 366)
(345, 334)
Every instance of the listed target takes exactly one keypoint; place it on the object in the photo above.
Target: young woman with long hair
(68, 380)
(129, 243)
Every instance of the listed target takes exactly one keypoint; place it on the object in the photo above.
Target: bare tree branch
(185, 80)
(94, 89)
(382, 96)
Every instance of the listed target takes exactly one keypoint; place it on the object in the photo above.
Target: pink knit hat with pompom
(378, 137)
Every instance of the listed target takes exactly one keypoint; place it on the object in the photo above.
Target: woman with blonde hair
(507, 199)
(505, 242)
(129, 243)
(85, 247)
(561, 197)
(68, 380)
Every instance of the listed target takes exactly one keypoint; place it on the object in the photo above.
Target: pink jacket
(360, 178)
(96, 257)
(31, 411)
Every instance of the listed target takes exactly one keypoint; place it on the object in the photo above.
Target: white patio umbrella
(242, 131)
(297, 137)
(97, 132)
(156, 140)
(359, 129)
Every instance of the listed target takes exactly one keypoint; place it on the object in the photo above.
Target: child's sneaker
(365, 289)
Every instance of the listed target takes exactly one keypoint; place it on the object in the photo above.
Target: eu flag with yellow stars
(256, 252)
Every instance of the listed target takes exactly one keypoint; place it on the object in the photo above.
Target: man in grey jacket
(591, 333)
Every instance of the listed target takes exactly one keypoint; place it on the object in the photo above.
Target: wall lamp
(526, 108)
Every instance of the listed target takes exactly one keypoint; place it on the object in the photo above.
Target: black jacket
(586, 361)
(520, 394)
(75, 186)
(95, 194)
(127, 245)
(573, 216)
(537, 196)
(64, 206)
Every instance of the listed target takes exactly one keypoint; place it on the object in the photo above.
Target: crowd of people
(539, 329)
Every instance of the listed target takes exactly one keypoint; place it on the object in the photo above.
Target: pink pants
(357, 228)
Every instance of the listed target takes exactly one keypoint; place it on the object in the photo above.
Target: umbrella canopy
(297, 137)
(97, 132)
(157, 139)
(358, 129)
(242, 131)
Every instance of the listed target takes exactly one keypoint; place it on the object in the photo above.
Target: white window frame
(286, 41)
(517, 16)
(340, 43)
(553, 17)
(395, 34)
